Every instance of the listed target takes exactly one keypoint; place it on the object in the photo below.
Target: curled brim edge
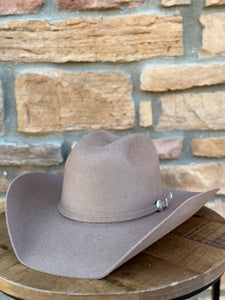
(46, 241)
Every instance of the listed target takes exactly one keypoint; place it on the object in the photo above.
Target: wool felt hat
(108, 206)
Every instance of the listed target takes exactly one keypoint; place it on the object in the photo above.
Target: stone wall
(154, 67)
(133, 66)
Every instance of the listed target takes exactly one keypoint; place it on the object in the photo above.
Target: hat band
(159, 206)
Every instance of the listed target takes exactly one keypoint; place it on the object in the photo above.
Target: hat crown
(108, 178)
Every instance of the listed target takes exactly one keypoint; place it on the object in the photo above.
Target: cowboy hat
(108, 206)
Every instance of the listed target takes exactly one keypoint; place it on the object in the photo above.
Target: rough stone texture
(115, 39)
(213, 41)
(167, 3)
(168, 149)
(23, 154)
(174, 77)
(56, 101)
(193, 111)
(214, 2)
(1, 110)
(145, 114)
(9, 7)
(97, 4)
(197, 177)
(209, 147)
(2, 209)
(4, 184)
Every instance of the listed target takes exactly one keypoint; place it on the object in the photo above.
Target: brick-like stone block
(114, 39)
(168, 3)
(168, 149)
(145, 114)
(194, 178)
(209, 147)
(97, 4)
(214, 2)
(24, 154)
(57, 101)
(2, 209)
(174, 77)
(213, 41)
(4, 183)
(1, 110)
(10, 7)
(203, 111)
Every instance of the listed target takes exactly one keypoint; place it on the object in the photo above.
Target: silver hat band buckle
(163, 203)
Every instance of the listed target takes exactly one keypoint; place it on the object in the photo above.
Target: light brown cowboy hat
(109, 206)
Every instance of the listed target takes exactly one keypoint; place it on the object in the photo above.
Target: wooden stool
(180, 264)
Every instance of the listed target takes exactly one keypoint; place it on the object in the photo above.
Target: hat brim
(44, 240)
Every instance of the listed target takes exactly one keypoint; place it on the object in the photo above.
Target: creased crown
(110, 179)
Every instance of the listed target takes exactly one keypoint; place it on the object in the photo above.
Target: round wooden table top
(190, 257)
